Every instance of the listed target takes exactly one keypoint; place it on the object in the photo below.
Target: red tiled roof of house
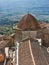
(30, 53)
(44, 25)
(7, 41)
(46, 53)
(10, 40)
(38, 54)
(3, 44)
(24, 54)
(28, 22)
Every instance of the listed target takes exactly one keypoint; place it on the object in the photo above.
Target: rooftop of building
(31, 53)
(28, 22)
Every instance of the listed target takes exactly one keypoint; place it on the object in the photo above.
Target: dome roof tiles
(28, 22)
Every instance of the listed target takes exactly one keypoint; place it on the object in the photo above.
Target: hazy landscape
(12, 11)
(15, 9)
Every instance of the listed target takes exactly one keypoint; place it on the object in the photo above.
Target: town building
(27, 27)
(29, 37)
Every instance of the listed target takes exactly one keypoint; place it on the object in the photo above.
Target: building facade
(27, 27)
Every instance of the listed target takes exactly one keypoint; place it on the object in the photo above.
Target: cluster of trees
(6, 30)
(6, 26)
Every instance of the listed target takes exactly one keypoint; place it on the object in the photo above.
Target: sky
(7, 4)
(39, 3)
(21, 6)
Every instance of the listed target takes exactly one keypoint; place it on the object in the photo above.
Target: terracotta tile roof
(28, 22)
(6, 41)
(3, 44)
(10, 40)
(30, 53)
(46, 53)
(24, 54)
(44, 25)
(38, 55)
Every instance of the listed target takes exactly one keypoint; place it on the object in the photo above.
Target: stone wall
(18, 35)
(26, 34)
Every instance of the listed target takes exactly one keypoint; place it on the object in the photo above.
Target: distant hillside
(7, 22)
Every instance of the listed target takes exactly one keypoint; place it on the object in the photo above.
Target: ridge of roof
(28, 22)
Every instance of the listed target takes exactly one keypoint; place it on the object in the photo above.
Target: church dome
(28, 22)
